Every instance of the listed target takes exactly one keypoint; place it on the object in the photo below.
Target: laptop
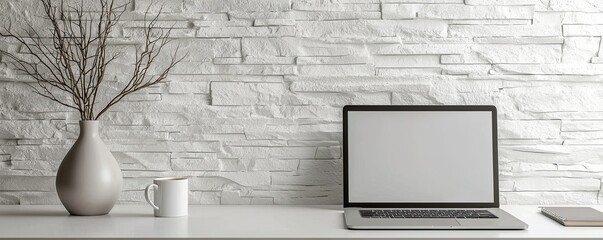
(422, 167)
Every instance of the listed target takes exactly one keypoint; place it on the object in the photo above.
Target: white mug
(171, 196)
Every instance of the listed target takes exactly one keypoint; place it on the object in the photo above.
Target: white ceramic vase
(89, 179)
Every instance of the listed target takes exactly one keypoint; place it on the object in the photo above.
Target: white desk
(245, 222)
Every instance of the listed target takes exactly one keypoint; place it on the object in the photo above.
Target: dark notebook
(574, 216)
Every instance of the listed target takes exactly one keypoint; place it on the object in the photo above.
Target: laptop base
(354, 220)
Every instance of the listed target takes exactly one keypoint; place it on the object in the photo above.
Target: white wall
(253, 115)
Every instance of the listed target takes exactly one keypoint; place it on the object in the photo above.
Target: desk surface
(214, 221)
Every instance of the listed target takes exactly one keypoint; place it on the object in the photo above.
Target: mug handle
(147, 195)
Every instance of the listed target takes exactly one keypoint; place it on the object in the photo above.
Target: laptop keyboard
(423, 213)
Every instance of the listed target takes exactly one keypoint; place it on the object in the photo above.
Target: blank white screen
(420, 156)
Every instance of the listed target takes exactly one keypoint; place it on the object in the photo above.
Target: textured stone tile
(227, 60)
(507, 53)
(192, 68)
(236, 180)
(222, 23)
(327, 196)
(505, 31)
(582, 30)
(143, 161)
(332, 152)
(9, 199)
(400, 11)
(14, 12)
(343, 84)
(157, 24)
(241, 93)
(557, 184)
(540, 79)
(53, 153)
(423, 1)
(199, 146)
(597, 60)
(336, 70)
(141, 97)
(138, 33)
(580, 49)
(371, 28)
(205, 164)
(287, 46)
(305, 15)
(30, 129)
(235, 5)
(578, 125)
(570, 69)
(152, 6)
(413, 98)
(301, 132)
(309, 166)
(271, 165)
(466, 69)
(405, 60)
(19, 100)
(582, 18)
(198, 197)
(456, 11)
(562, 99)
(223, 78)
(202, 49)
(576, 6)
(549, 198)
(274, 22)
(343, 60)
(338, 99)
(299, 113)
(252, 16)
(27, 183)
(417, 71)
(248, 142)
(315, 5)
(583, 136)
(520, 40)
(529, 129)
(490, 21)
(93, 6)
(263, 31)
(413, 49)
(275, 152)
(188, 87)
(307, 179)
(501, 2)
(234, 198)
(136, 184)
(557, 154)
(30, 198)
(548, 18)
(270, 46)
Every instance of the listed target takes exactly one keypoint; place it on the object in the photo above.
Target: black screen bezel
(481, 108)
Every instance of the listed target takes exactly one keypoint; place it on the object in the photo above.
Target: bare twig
(74, 64)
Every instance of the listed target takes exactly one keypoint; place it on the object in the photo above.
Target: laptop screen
(420, 157)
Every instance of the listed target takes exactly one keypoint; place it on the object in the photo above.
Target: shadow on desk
(64, 213)
(36, 213)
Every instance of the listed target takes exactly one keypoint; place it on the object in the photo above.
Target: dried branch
(74, 63)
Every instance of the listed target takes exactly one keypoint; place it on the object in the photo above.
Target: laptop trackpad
(429, 222)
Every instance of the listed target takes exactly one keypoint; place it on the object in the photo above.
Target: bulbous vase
(89, 179)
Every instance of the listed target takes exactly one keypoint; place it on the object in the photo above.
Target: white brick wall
(253, 115)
